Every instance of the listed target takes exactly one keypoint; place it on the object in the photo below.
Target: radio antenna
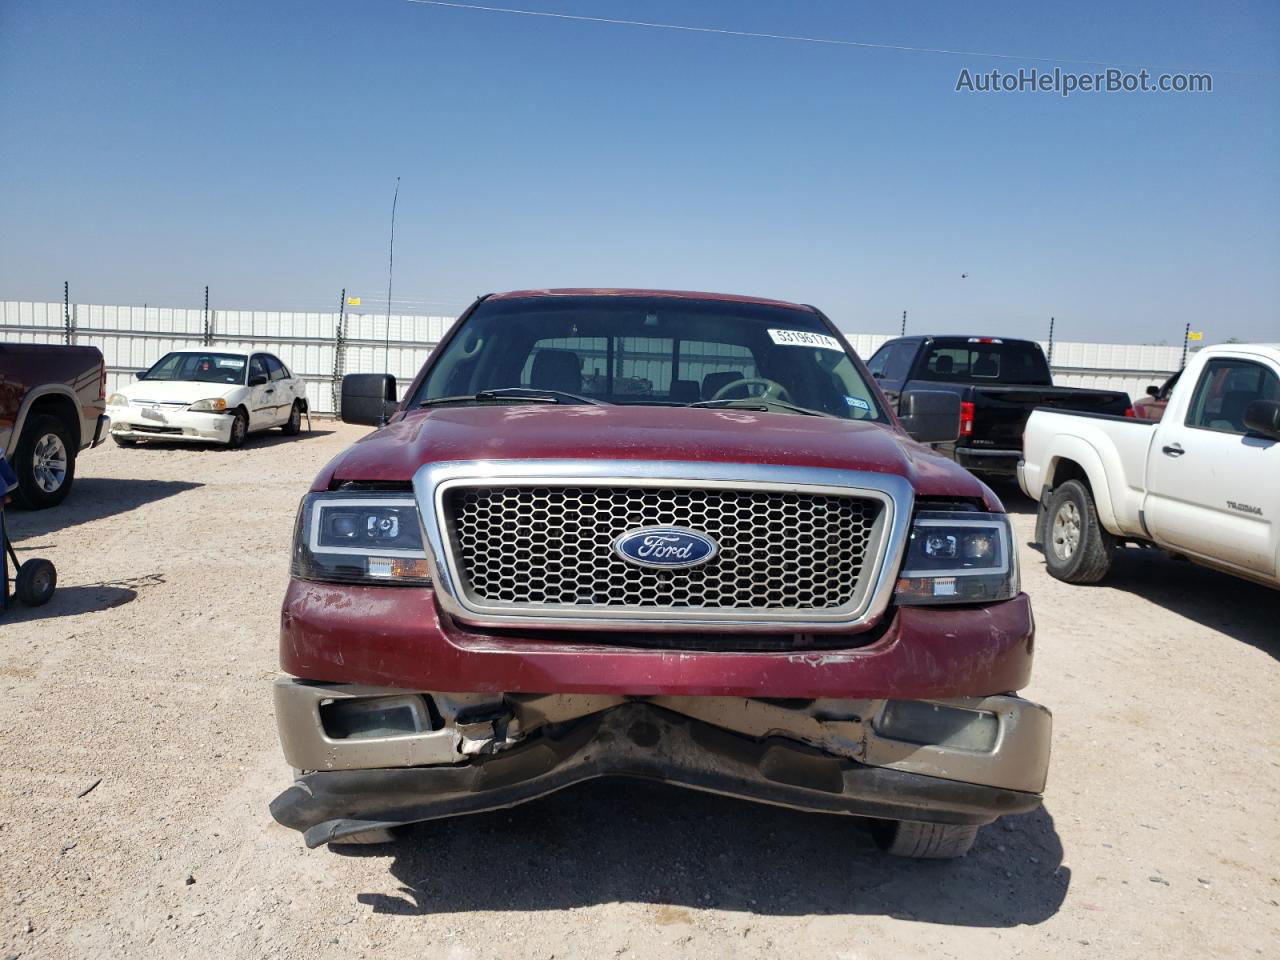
(391, 263)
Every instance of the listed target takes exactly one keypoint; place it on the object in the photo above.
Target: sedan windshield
(199, 367)
(661, 351)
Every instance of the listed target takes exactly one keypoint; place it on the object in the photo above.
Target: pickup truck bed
(52, 405)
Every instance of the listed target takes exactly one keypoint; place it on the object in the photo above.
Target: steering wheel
(772, 389)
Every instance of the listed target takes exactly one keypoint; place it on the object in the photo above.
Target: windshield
(651, 350)
(198, 367)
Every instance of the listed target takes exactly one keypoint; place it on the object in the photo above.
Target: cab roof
(639, 292)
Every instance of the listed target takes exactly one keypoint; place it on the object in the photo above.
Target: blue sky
(154, 146)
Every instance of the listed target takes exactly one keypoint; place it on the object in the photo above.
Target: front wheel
(239, 430)
(45, 462)
(926, 841)
(1077, 548)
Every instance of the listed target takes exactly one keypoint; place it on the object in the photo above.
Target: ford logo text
(665, 547)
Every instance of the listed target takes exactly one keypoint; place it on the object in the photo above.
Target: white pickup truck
(1203, 482)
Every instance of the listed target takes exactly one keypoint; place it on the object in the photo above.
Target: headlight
(959, 558)
(117, 400)
(359, 538)
(212, 405)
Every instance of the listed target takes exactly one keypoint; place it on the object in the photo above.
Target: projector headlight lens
(959, 558)
(360, 537)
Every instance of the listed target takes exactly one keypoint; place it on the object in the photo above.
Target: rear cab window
(978, 359)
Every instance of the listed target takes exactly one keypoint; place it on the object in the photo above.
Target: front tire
(239, 430)
(926, 841)
(45, 462)
(1077, 548)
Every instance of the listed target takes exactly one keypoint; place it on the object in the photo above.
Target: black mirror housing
(368, 398)
(930, 416)
(1153, 391)
(257, 379)
(1263, 416)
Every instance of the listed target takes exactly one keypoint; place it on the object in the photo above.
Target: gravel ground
(148, 675)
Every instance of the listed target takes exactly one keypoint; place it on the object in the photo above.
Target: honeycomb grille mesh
(553, 546)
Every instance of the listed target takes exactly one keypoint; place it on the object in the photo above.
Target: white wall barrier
(133, 338)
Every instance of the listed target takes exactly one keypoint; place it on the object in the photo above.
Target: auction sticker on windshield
(803, 338)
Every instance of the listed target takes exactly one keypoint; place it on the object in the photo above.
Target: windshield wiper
(754, 403)
(519, 394)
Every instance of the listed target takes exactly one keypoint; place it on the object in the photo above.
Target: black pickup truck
(999, 382)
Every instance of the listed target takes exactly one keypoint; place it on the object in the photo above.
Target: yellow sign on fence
(355, 302)
(1193, 335)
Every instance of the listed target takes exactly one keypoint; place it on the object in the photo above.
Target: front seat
(557, 370)
(986, 366)
(1231, 416)
(943, 364)
(715, 381)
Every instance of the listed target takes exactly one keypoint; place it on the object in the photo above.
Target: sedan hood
(175, 391)
(535, 431)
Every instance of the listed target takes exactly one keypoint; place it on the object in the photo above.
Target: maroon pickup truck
(667, 535)
(52, 406)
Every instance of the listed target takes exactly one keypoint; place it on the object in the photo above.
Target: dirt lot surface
(149, 675)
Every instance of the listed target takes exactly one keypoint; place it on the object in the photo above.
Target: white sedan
(208, 396)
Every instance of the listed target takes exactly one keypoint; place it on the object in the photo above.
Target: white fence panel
(133, 338)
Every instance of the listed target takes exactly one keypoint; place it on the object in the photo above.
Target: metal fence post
(208, 330)
(68, 330)
(339, 354)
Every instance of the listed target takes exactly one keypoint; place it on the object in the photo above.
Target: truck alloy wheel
(1077, 548)
(1064, 538)
(45, 462)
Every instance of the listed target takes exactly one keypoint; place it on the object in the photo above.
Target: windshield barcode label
(803, 338)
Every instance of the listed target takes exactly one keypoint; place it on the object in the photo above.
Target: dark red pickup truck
(666, 535)
(52, 406)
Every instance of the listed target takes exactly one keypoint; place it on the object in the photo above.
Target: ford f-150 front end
(672, 536)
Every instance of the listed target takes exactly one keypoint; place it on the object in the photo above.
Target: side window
(1226, 388)
(898, 363)
(278, 372)
(258, 367)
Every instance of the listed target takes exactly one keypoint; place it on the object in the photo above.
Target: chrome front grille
(539, 547)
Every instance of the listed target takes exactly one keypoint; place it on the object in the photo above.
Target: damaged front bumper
(425, 755)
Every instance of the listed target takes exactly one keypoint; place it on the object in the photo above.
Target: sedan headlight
(959, 558)
(212, 405)
(117, 400)
(359, 537)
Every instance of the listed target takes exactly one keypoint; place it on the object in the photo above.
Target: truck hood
(528, 431)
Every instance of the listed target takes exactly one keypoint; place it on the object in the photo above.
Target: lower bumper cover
(179, 425)
(635, 740)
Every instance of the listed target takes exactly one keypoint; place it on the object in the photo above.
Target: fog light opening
(932, 724)
(375, 718)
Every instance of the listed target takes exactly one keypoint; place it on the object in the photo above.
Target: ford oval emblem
(665, 547)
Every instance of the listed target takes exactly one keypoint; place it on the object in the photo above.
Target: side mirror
(140, 375)
(368, 398)
(878, 374)
(257, 379)
(1263, 416)
(930, 416)
(1153, 391)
